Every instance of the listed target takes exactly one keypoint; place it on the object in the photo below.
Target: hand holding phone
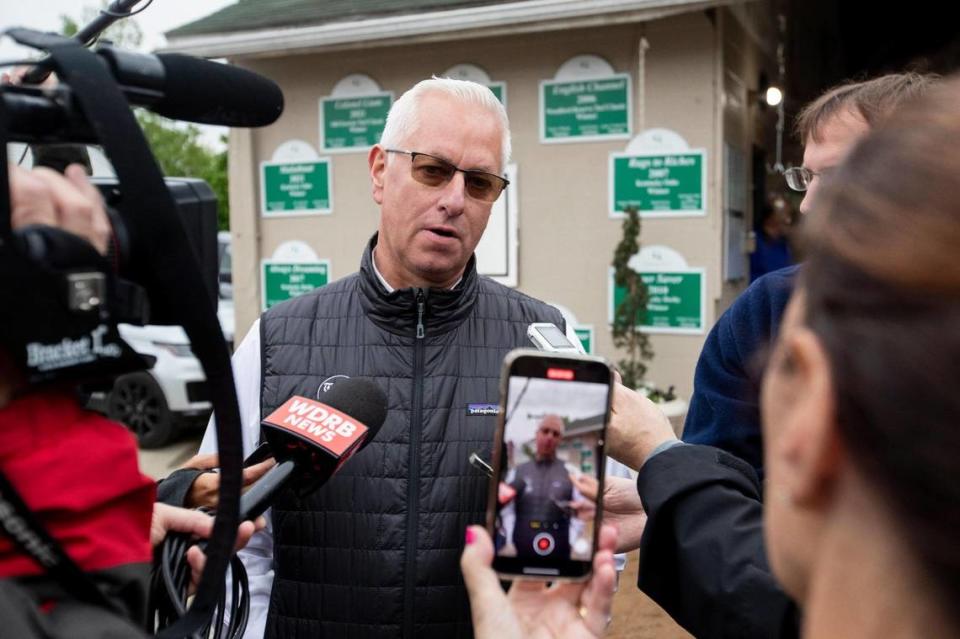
(554, 412)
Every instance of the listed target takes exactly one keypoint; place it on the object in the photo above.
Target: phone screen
(554, 415)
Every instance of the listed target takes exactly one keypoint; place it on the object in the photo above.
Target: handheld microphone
(312, 440)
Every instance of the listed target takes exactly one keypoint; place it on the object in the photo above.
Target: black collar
(396, 312)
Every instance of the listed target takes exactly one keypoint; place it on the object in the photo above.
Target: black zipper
(413, 476)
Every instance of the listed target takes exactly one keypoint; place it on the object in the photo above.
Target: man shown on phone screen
(544, 498)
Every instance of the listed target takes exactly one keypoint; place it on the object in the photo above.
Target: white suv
(155, 404)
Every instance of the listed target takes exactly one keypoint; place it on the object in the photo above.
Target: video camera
(61, 300)
(78, 340)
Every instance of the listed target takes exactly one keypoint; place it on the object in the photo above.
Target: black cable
(125, 14)
(169, 591)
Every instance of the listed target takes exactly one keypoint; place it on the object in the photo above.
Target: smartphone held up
(553, 414)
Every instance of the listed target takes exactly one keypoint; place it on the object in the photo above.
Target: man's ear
(377, 160)
(809, 444)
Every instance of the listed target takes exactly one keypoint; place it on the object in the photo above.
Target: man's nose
(808, 195)
(453, 196)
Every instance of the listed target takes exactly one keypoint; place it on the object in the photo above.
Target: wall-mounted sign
(353, 116)
(296, 181)
(585, 101)
(473, 73)
(585, 335)
(677, 294)
(295, 188)
(281, 281)
(658, 185)
(292, 270)
(583, 110)
(353, 123)
(659, 175)
(500, 90)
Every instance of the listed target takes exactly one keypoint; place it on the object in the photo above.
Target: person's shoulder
(766, 297)
(774, 284)
(491, 288)
(781, 277)
(488, 286)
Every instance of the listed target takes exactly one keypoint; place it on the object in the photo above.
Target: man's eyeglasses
(799, 177)
(551, 431)
(433, 171)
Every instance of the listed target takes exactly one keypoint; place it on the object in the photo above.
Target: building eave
(483, 21)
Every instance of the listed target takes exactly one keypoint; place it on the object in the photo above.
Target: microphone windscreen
(361, 399)
(207, 92)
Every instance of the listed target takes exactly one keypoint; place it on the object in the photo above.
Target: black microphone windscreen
(207, 92)
(361, 399)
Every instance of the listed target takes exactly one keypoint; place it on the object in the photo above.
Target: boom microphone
(195, 89)
(311, 440)
(170, 84)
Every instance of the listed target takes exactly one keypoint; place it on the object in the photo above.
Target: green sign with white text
(499, 89)
(675, 303)
(353, 123)
(658, 185)
(584, 110)
(295, 188)
(585, 335)
(281, 281)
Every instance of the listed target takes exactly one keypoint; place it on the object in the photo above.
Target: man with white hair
(374, 553)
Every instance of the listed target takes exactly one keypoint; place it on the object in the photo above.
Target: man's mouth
(443, 231)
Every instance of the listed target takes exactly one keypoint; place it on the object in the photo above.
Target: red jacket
(79, 473)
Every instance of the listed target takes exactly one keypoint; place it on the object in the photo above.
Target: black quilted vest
(375, 552)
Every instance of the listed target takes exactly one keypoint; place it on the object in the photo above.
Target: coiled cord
(170, 591)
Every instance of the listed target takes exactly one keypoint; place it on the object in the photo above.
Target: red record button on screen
(543, 544)
(565, 374)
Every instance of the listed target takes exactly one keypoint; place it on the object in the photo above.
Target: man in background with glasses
(375, 552)
(724, 409)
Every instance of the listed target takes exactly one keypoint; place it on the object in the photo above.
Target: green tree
(630, 311)
(124, 33)
(180, 152)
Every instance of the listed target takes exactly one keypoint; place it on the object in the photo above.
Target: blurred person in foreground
(77, 471)
(860, 423)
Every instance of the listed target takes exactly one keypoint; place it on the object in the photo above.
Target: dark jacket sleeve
(702, 556)
(174, 488)
(724, 409)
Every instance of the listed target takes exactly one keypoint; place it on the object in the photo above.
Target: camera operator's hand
(205, 489)
(69, 201)
(16, 76)
(534, 610)
(621, 507)
(636, 428)
(167, 519)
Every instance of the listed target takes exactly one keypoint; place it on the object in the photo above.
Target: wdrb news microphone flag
(319, 425)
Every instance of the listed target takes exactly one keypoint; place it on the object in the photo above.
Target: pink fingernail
(470, 536)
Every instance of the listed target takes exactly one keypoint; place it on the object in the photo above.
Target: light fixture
(773, 96)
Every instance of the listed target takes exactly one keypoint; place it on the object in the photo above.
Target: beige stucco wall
(566, 237)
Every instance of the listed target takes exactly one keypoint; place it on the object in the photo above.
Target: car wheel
(137, 401)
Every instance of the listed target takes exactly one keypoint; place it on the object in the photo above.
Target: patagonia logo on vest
(482, 409)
